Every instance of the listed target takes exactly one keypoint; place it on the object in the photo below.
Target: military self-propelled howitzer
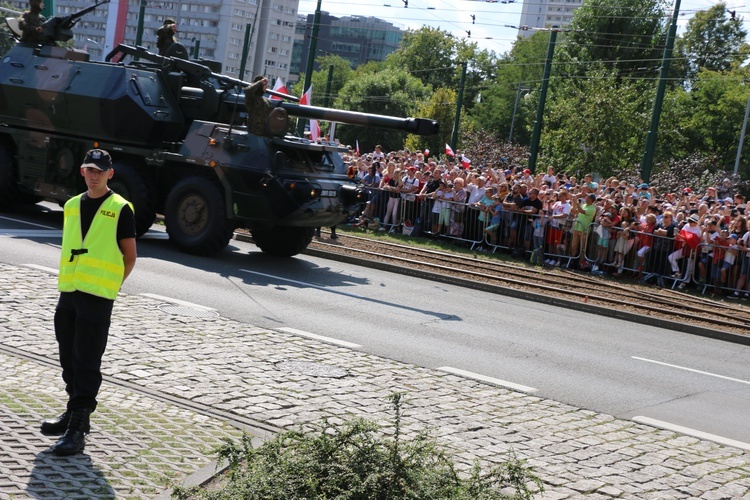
(176, 131)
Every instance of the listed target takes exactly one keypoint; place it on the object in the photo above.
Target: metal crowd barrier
(616, 250)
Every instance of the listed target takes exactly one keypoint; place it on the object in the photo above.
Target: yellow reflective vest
(95, 264)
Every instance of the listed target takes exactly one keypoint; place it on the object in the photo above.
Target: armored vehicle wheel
(6, 177)
(196, 218)
(283, 241)
(129, 183)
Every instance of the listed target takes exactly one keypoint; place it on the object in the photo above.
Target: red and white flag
(279, 87)
(465, 162)
(426, 153)
(314, 130)
(306, 98)
(449, 151)
(357, 147)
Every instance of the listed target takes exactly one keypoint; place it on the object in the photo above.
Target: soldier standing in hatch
(165, 36)
(98, 254)
(30, 23)
(258, 107)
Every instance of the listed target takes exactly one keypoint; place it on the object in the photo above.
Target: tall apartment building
(215, 28)
(358, 39)
(546, 14)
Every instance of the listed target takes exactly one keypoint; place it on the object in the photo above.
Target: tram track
(622, 294)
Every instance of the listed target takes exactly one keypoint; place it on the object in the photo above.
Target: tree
(714, 41)
(342, 72)
(440, 107)
(596, 124)
(6, 38)
(520, 70)
(710, 114)
(626, 36)
(391, 92)
(428, 54)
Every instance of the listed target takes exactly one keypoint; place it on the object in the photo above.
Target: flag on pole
(426, 153)
(306, 98)
(279, 87)
(449, 151)
(314, 130)
(357, 147)
(465, 162)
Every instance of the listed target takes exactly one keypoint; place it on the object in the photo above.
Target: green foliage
(624, 36)
(6, 37)
(357, 461)
(342, 72)
(391, 92)
(428, 54)
(714, 41)
(708, 118)
(440, 107)
(595, 125)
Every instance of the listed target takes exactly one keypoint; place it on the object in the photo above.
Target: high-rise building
(216, 29)
(358, 39)
(546, 14)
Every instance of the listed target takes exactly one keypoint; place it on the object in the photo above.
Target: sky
(489, 27)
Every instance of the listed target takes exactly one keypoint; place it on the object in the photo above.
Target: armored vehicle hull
(177, 136)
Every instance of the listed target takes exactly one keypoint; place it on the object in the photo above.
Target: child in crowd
(602, 243)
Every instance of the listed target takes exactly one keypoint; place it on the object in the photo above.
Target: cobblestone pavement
(170, 377)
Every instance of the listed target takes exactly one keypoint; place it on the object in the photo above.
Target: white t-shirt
(559, 208)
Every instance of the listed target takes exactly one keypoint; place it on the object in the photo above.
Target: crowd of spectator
(607, 226)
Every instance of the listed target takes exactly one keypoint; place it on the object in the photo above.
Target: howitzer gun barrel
(419, 126)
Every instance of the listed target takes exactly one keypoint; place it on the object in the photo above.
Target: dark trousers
(81, 328)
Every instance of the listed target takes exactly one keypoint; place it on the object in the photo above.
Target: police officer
(165, 36)
(30, 23)
(98, 253)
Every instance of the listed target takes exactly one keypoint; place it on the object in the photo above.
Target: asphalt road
(607, 365)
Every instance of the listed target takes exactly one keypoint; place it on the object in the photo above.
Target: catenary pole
(310, 60)
(653, 130)
(459, 104)
(742, 137)
(536, 135)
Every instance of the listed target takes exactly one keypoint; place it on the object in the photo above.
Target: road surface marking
(177, 301)
(313, 336)
(489, 380)
(691, 432)
(693, 370)
(42, 268)
(32, 233)
(28, 223)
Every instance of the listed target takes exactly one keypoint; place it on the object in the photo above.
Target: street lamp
(97, 44)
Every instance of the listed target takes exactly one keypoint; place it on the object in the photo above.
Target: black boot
(74, 439)
(56, 426)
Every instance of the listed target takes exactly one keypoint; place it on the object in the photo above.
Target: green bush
(357, 461)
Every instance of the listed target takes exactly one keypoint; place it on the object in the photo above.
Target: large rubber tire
(196, 218)
(7, 177)
(131, 184)
(283, 241)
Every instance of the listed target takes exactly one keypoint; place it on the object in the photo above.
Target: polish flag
(306, 98)
(279, 87)
(114, 34)
(314, 130)
(426, 153)
(357, 147)
(465, 161)
(449, 151)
